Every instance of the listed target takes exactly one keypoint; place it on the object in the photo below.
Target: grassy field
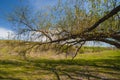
(94, 66)
(98, 65)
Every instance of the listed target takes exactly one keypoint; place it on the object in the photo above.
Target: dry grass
(44, 65)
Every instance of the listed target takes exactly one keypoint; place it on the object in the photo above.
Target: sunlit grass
(107, 54)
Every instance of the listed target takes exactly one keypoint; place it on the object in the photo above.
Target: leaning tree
(70, 23)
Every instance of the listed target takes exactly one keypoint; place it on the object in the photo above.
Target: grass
(95, 63)
(89, 66)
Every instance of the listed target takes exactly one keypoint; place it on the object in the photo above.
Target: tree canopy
(73, 22)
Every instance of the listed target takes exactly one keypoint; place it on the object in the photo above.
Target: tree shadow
(78, 69)
(9, 78)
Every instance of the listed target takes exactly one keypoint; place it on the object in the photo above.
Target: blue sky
(7, 6)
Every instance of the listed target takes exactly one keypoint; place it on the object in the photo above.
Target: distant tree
(70, 23)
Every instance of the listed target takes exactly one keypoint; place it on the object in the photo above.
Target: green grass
(94, 66)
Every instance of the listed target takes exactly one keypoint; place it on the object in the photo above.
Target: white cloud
(9, 34)
(4, 33)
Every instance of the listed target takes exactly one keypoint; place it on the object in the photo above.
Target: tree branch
(113, 12)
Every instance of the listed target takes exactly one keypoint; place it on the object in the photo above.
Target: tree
(70, 23)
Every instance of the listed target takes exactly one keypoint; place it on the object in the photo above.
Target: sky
(7, 6)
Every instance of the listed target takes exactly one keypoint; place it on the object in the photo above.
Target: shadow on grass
(107, 69)
(103, 63)
(11, 62)
(9, 78)
(90, 69)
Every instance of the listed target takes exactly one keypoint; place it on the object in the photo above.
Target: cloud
(9, 34)
(4, 33)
